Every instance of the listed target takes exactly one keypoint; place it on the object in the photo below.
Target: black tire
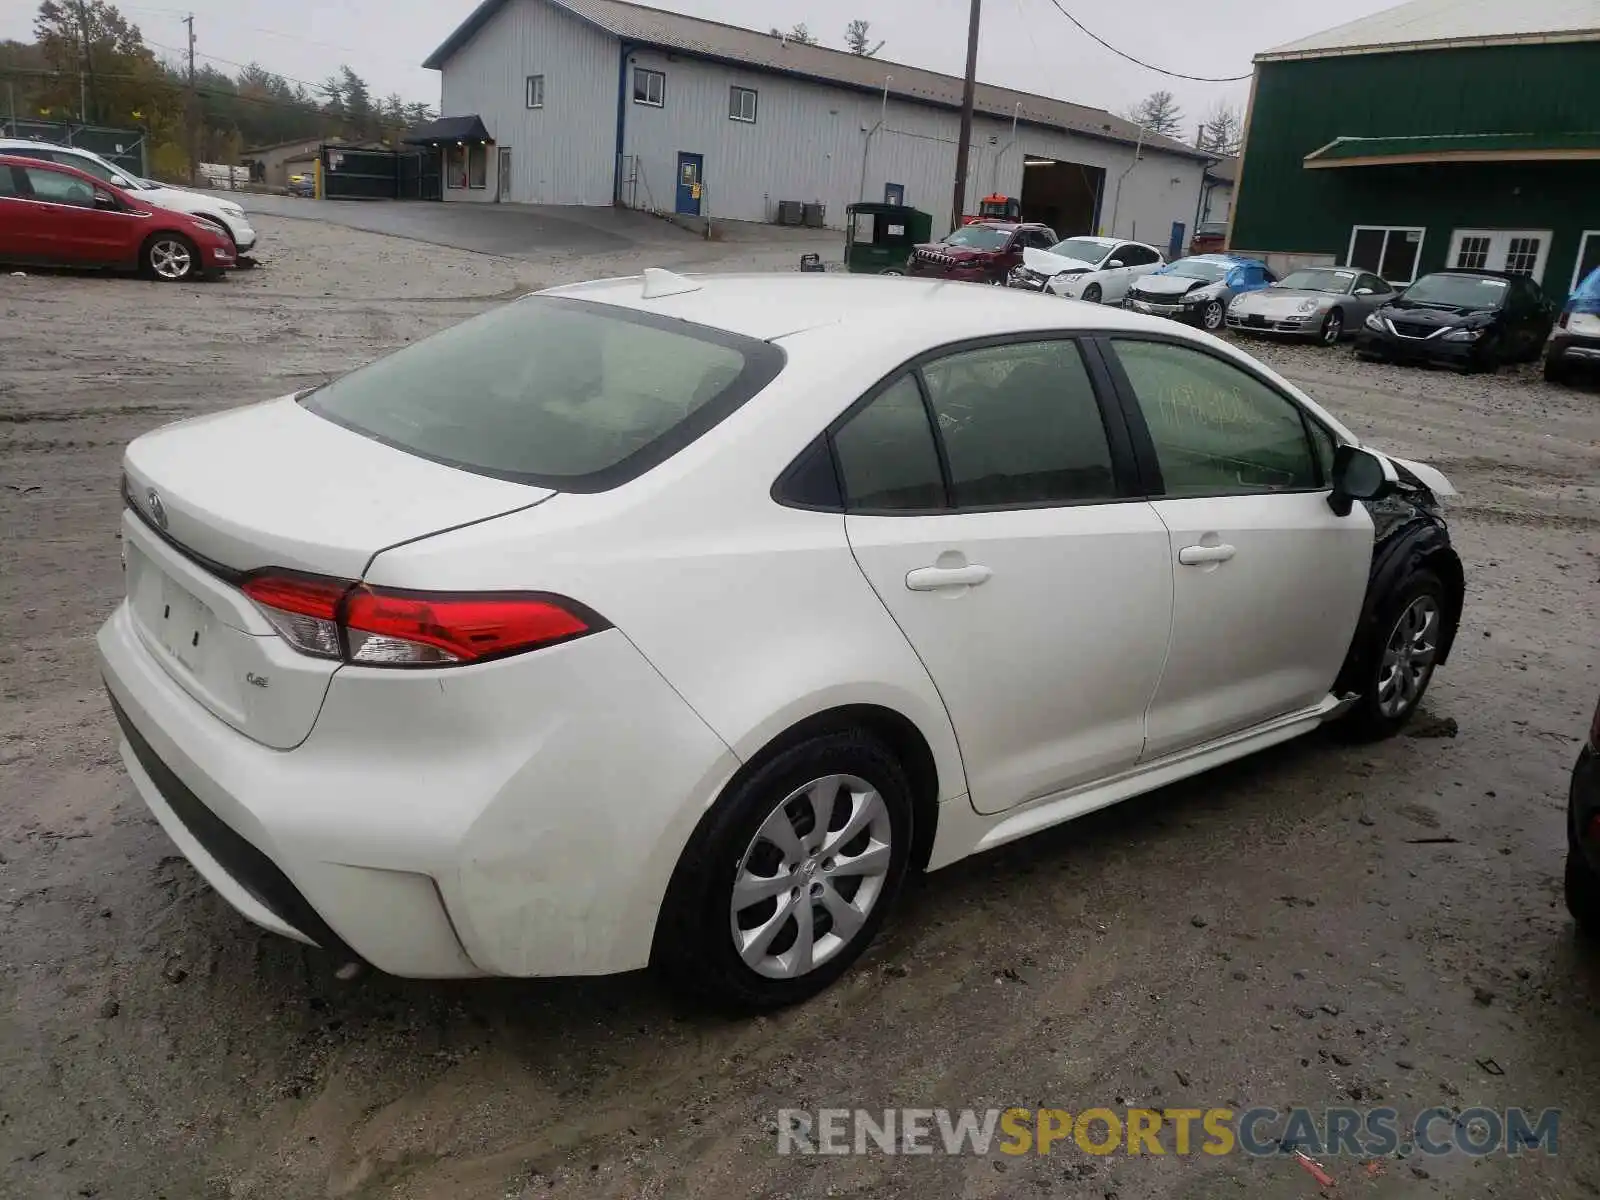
(1092, 294)
(171, 258)
(1488, 358)
(1332, 328)
(1213, 316)
(1369, 720)
(1555, 371)
(694, 948)
(1582, 889)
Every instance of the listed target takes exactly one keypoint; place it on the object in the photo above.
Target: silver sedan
(1321, 303)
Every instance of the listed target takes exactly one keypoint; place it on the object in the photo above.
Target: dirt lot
(1322, 925)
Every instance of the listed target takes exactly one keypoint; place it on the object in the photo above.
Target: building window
(455, 166)
(1392, 252)
(535, 91)
(649, 87)
(1474, 253)
(477, 165)
(742, 104)
(1522, 256)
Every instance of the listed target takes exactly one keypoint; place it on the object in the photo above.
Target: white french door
(1515, 251)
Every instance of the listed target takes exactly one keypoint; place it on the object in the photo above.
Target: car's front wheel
(1582, 888)
(1332, 328)
(1399, 667)
(1212, 316)
(789, 876)
(1092, 293)
(171, 258)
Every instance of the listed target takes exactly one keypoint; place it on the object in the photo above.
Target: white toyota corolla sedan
(675, 621)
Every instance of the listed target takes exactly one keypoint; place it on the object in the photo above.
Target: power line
(1139, 61)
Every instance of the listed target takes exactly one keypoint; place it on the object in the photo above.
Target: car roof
(771, 306)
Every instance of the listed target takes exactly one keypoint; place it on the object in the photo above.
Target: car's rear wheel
(1212, 316)
(1400, 660)
(1332, 328)
(891, 271)
(789, 876)
(171, 258)
(1092, 293)
(1555, 371)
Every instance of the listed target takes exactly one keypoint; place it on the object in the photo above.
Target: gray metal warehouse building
(600, 102)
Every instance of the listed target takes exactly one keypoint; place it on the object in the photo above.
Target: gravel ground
(1323, 924)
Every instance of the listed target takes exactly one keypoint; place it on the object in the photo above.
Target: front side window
(535, 91)
(1217, 430)
(1020, 426)
(567, 394)
(1373, 284)
(742, 104)
(649, 87)
(886, 454)
(1391, 253)
(57, 187)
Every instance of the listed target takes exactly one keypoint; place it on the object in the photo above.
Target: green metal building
(1442, 133)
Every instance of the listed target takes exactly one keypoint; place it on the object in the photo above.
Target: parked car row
(1473, 320)
(61, 206)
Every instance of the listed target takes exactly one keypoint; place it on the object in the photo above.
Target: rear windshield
(562, 393)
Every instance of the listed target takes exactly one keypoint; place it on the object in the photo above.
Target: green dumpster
(878, 237)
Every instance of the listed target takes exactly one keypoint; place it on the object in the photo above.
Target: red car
(982, 252)
(57, 216)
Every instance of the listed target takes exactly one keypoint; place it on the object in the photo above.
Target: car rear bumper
(1573, 349)
(488, 820)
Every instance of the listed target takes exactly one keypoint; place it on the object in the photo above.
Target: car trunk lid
(217, 497)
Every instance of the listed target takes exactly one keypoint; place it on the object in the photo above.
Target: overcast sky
(1025, 44)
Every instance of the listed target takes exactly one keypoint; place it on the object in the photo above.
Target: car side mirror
(119, 181)
(1358, 475)
(1114, 264)
(105, 201)
(1365, 292)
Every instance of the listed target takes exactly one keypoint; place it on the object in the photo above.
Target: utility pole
(194, 110)
(960, 201)
(93, 106)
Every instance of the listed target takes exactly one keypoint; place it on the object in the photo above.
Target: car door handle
(1199, 556)
(931, 579)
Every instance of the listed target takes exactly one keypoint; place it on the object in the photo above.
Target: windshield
(1083, 249)
(1200, 268)
(979, 237)
(564, 393)
(1318, 280)
(1458, 291)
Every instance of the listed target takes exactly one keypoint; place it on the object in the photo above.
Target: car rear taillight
(390, 627)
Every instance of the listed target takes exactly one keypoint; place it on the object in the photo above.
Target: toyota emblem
(158, 510)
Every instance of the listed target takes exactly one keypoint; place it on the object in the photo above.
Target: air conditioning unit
(790, 212)
(812, 215)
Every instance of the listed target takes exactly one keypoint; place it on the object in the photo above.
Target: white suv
(1096, 269)
(678, 621)
(224, 212)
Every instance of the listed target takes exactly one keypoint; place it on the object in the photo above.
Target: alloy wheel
(810, 877)
(170, 259)
(1409, 657)
(1332, 329)
(1212, 317)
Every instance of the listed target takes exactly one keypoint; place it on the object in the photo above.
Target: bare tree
(1158, 113)
(857, 40)
(1222, 131)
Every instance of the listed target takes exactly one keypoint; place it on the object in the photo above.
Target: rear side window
(1020, 426)
(562, 393)
(887, 457)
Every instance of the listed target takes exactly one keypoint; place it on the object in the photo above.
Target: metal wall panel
(565, 152)
(810, 143)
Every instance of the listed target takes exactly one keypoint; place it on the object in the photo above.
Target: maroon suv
(982, 252)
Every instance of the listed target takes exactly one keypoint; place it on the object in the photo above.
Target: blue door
(1175, 242)
(689, 183)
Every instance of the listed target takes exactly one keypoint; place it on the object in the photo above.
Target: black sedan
(1583, 835)
(1472, 320)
